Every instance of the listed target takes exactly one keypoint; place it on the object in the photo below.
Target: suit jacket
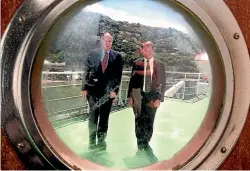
(98, 82)
(158, 77)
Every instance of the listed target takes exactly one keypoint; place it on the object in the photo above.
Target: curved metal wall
(239, 158)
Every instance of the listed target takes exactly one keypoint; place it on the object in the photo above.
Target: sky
(146, 12)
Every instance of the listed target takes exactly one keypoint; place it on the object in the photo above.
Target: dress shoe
(102, 145)
(92, 146)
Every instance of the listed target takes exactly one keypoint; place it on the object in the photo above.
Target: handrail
(65, 98)
(124, 72)
(121, 100)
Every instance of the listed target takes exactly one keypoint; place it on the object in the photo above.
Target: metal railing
(195, 84)
(72, 81)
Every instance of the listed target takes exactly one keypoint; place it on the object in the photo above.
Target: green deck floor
(175, 124)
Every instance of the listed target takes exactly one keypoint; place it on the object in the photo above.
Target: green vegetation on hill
(78, 36)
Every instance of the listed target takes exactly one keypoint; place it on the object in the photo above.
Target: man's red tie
(148, 78)
(104, 61)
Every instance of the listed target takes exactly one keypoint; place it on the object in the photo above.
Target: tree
(57, 57)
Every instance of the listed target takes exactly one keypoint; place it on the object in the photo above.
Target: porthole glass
(154, 85)
(72, 52)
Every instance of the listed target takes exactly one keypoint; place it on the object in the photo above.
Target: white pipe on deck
(170, 92)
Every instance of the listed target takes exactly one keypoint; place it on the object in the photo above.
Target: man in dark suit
(101, 84)
(148, 76)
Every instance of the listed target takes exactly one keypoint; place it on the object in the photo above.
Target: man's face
(147, 50)
(106, 42)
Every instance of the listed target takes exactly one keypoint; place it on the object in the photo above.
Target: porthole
(45, 56)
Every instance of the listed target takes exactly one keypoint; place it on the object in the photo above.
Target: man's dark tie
(104, 61)
(148, 78)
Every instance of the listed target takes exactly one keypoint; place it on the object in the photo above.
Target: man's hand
(157, 103)
(112, 94)
(130, 102)
(84, 93)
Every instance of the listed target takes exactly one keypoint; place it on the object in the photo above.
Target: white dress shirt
(151, 64)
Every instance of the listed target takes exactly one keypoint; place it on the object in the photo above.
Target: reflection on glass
(96, 60)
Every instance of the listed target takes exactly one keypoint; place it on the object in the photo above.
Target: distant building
(202, 61)
(202, 57)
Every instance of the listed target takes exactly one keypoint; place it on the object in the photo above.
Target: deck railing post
(183, 96)
(120, 94)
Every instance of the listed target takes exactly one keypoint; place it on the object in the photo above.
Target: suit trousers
(144, 124)
(98, 119)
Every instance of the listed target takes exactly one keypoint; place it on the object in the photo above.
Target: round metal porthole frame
(21, 93)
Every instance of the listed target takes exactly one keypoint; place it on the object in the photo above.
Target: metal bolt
(20, 145)
(223, 150)
(21, 19)
(236, 36)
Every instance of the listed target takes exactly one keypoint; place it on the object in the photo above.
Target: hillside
(75, 37)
